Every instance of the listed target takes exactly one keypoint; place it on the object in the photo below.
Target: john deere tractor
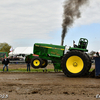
(74, 62)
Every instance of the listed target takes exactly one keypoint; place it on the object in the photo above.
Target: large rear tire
(36, 62)
(74, 63)
(89, 64)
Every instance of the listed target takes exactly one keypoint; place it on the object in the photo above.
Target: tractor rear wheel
(74, 63)
(89, 64)
(44, 64)
(36, 62)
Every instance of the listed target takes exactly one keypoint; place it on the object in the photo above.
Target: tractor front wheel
(44, 64)
(36, 62)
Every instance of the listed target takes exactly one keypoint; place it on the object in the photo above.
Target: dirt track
(47, 86)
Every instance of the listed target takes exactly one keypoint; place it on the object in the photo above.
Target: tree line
(5, 47)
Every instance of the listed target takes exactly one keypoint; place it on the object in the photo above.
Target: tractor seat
(82, 45)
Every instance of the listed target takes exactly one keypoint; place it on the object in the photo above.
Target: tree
(5, 47)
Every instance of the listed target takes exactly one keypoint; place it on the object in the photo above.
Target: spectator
(97, 54)
(28, 61)
(5, 62)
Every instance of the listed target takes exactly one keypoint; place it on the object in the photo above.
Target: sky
(25, 22)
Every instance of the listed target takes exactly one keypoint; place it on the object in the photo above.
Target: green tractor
(74, 62)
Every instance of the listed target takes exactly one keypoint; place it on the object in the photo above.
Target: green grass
(34, 70)
(91, 70)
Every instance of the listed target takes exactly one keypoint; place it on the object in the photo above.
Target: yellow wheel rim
(74, 64)
(36, 62)
(43, 63)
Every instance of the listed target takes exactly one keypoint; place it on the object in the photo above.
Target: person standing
(5, 62)
(28, 61)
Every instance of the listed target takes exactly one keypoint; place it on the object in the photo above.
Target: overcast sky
(25, 22)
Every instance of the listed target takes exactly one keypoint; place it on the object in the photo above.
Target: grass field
(35, 70)
(23, 68)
